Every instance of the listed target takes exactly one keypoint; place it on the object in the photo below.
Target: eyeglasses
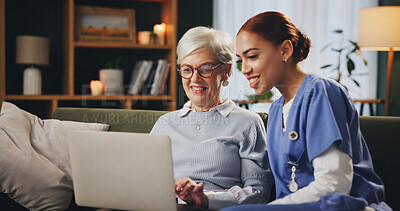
(205, 70)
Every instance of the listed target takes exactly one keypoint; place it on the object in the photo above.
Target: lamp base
(32, 81)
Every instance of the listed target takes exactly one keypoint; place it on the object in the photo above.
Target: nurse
(317, 153)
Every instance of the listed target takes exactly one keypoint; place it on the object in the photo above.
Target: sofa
(379, 132)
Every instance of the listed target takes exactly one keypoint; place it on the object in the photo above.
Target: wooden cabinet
(81, 60)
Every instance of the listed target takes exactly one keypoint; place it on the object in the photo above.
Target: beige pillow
(34, 158)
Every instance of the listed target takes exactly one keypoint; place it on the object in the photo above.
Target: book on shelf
(146, 86)
(163, 87)
(159, 73)
(139, 74)
(135, 75)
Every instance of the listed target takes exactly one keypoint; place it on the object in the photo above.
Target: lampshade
(379, 28)
(32, 50)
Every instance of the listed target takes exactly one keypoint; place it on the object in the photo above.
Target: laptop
(124, 171)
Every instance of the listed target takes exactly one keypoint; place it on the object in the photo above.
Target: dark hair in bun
(276, 28)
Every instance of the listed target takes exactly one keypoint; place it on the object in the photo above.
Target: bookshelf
(78, 62)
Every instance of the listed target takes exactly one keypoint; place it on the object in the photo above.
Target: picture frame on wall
(104, 24)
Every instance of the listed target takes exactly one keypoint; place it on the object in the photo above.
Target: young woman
(317, 153)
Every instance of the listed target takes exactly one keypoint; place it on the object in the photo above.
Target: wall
(45, 19)
(394, 107)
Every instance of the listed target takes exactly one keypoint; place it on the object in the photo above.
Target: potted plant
(112, 77)
(347, 52)
(113, 64)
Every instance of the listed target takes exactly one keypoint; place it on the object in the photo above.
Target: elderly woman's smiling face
(204, 92)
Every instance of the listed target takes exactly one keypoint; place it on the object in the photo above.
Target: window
(317, 19)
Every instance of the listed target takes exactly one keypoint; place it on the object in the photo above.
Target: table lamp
(379, 30)
(32, 50)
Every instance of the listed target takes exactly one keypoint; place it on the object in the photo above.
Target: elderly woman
(218, 148)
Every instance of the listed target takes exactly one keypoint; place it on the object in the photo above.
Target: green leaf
(334, 69)
(114, 64)
(109, 65)
(337, 50)
(350, 66)
(356, 82)
(326, 46)
(354, 50)
(339, 31)
(359, 74)
(365, 62)
(326, 66)
(239, 66)
(345, 87)
(264, 96)
(353, 43)
(117, 60)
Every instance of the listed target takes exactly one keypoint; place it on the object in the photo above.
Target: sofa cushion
(34, 158)
(123, 120)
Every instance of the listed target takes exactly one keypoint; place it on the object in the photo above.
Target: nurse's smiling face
(261, 61)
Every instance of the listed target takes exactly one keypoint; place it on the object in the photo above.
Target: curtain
(315, 18)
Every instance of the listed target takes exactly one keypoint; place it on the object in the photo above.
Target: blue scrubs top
(322, 114)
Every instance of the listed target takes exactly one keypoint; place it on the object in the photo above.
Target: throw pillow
(34, 158)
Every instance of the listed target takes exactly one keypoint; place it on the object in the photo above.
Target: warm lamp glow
(96, 87)
(159, 30)
(379, 28)
(159, 27)
(144, 37)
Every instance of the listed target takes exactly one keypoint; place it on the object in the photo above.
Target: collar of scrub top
(224, 109)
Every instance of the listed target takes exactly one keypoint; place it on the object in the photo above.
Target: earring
(285, 60)
(225, 83)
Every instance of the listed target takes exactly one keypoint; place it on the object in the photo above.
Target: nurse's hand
(191, 192)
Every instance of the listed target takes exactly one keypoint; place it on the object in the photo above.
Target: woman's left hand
(191, 192)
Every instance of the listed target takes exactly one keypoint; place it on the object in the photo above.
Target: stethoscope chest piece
(293, 185)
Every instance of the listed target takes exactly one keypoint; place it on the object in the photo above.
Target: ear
(286, 50)
(227, 71)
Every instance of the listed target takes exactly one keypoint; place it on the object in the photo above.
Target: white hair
(200, 37)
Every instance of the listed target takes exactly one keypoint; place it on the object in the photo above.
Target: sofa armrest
(383, 140)
(123, 120)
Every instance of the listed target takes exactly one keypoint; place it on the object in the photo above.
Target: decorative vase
(112, 80)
